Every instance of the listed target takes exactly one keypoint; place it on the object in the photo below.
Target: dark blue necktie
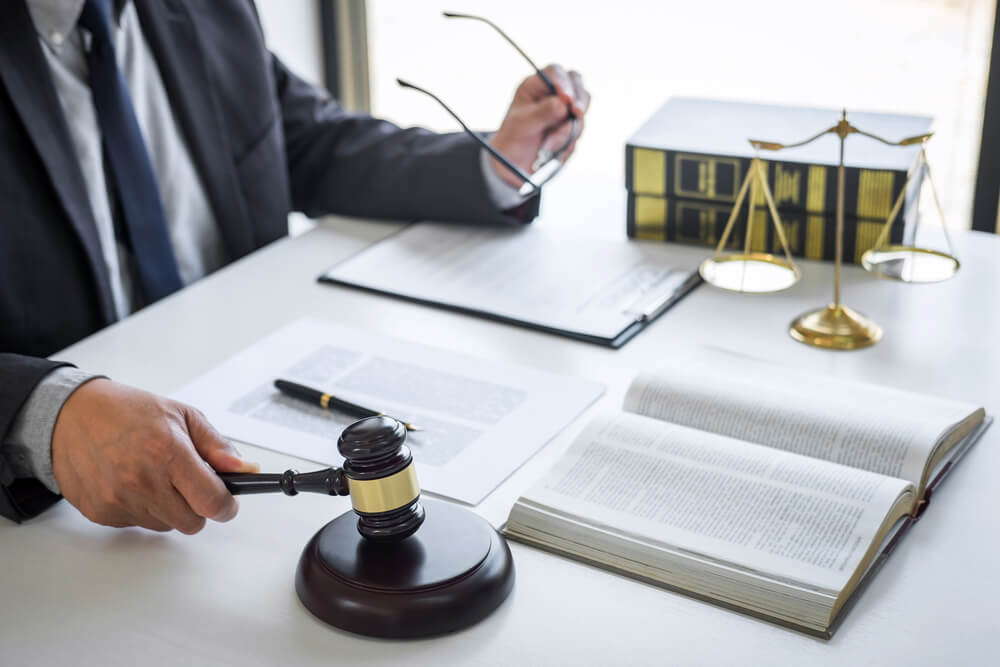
(142, 210)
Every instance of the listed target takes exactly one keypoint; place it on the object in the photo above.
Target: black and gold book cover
(696, 222)
(699, 149)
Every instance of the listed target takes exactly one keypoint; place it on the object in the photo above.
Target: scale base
(453, 572)
(835, 327)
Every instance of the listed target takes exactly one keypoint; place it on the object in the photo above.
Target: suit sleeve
(20, 498)
(352, 164)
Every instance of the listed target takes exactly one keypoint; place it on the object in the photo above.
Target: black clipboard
(627, 334)
(644, 315)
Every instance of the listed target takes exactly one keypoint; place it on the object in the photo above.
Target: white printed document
(597, 290)
(481, 419)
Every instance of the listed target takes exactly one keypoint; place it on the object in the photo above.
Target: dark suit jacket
(263, 141)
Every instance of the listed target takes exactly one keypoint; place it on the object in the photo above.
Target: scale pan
(756, 273)
(909, 264)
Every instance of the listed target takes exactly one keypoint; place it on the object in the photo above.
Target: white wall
(292, 30)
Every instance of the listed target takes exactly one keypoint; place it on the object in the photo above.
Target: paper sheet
(483, 419)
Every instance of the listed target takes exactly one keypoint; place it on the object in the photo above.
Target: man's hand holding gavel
(125, 457)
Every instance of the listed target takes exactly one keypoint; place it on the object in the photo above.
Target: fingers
(580, 93)
(192, 474)
(202, 489)
(547, 113)
(564, 86)
(209, 443)
(569, 88)
(151, 523)
(534, 88)
(147, 500)
(558, 138)
(173, 511)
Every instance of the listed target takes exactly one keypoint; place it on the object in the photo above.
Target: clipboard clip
(667, 290)
(650, 309)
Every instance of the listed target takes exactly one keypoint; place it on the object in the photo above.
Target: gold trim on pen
(324, 401)
(408, 425)
(372, 496)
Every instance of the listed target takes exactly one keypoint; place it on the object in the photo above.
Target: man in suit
(146, 144)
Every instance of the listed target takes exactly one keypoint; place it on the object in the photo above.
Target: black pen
(326, 401)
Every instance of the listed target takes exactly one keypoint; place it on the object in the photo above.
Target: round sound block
(451, 573)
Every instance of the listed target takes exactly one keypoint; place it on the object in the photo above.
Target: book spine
(869, 193)
(698, 222)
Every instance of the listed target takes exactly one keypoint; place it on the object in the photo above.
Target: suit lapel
(25, 73)
(172, 36)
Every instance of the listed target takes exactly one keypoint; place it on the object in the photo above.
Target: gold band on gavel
(324, 401)
(372, 496)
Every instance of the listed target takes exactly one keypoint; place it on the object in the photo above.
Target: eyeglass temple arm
(541, 74)
(520, 173)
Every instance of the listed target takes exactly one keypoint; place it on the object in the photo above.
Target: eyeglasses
(548, 162)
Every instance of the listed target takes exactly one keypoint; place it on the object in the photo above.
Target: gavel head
(381, 479)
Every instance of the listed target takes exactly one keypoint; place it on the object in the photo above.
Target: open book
(766, 490)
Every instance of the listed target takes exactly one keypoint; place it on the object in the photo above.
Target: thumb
(211, 446)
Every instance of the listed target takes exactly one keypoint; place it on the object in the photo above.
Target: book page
(756, 508)
(865, 426)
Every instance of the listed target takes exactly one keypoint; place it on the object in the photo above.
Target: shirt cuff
(503, 194)
(28, 445)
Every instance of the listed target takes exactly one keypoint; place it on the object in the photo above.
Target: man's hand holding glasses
(541, 127)
(538, 126)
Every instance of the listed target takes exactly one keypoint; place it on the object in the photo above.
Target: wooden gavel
(378, 475)
(391, 580)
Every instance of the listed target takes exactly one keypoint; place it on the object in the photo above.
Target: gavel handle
(330, 481)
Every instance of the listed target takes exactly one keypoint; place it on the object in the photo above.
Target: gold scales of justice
(834, 326)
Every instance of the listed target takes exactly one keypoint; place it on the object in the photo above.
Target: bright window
(907, 56)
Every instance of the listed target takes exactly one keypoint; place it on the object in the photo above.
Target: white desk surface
(76, 593)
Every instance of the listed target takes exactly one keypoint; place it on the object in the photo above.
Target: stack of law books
(685, 165)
